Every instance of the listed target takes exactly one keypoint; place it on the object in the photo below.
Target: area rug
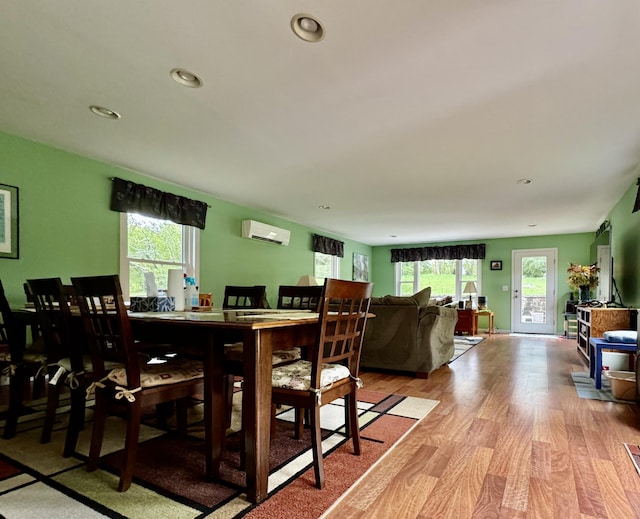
(464, 343)
(586, 388)
(36, 481)
(634, 453)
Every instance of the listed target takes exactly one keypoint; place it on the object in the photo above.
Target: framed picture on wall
(360, 267)
(496, 265)
(8, 221)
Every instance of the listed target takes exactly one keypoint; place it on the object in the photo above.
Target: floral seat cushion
(298, 375)
(160, 374)
(234, 352)
(30, 358)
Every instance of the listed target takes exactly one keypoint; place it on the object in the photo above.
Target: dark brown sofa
(404, 336)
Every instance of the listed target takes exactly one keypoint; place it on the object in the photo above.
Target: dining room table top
(245, 318)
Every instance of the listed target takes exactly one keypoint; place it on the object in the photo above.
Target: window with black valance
(328, 246)
(128, 196)
(446, 252)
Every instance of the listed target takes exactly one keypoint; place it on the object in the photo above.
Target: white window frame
(190, 253)
(416, 278)
(334, 266)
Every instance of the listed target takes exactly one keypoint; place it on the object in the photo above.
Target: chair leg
(53, 399)
(16, 394)
(299, 422)
(316, 447)
(353, 426)
(228, 396)
(99, 421)
(130, 446)
(76, 420)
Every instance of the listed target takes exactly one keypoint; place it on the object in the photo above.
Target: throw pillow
(423, 297)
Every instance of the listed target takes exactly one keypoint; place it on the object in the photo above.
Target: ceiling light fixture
(104, 112)
(324, 207)
(524, 181)
(307, 28)
(186, 78)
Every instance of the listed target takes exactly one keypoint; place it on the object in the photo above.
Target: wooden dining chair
(68, 359)
(135, 385)
(24, 364)
(333, 367)
(296, 297)
(239, 297)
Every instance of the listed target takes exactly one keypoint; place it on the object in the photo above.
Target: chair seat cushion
(171, 372)
(27, 358)
(234, 353)
(298, 375)
(86, 364)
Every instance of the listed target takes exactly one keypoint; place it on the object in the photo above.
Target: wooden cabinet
(467, 322)
(593, 322)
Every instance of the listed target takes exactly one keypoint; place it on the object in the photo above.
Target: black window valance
(128, 196)
(447, 252)
(328, 246)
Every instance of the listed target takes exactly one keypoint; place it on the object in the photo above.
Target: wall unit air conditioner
(263, 232)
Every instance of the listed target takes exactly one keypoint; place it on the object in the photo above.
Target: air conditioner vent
(264, 232)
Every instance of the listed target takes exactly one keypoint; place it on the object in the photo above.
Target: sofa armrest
(436, 330)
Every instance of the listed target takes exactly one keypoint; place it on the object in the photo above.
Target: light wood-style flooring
(510, 439)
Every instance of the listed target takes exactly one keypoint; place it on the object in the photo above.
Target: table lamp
(470, 288)
(308, 281)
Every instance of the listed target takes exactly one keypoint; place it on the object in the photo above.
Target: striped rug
(37, 482)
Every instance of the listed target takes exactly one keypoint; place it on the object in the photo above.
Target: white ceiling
(412, 118)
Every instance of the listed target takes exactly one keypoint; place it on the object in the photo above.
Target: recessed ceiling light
(532, 225)
(393, 236)
(324, 206)
(307, 28)
(186, 78)
(524, 181)
(104, 112)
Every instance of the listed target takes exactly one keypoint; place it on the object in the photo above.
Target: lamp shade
(470, 288)
(308, 281)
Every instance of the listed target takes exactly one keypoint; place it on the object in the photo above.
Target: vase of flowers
(583, 278)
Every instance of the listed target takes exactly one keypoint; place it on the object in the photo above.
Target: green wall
(571, 248)
(67, 229)
(625, 247)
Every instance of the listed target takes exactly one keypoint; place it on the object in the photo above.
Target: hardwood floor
(509, 439)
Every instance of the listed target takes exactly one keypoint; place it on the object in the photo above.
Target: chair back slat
(238, 297)
(343, 317)
(106, 325)
(299, 297)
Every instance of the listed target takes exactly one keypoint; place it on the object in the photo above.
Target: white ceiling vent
(263, 232)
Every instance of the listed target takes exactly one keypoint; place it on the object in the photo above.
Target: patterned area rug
(36, 481)
(585, 386)
(464, 343)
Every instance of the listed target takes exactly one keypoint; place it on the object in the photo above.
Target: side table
(467, 322)
(489, 314)
(596, 346)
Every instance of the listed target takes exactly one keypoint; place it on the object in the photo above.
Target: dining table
(261, 331)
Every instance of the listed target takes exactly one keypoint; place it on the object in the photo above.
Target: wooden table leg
(257, 411)
(214, 406)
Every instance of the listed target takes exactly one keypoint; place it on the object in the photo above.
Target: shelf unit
(593, 322)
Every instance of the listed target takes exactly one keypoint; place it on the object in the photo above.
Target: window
(153, 245)
(445, 277)
(326, 266)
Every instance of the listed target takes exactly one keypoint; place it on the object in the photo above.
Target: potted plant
(583, 278)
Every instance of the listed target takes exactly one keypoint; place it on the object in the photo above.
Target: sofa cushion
(400, 300)
(423, 297)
